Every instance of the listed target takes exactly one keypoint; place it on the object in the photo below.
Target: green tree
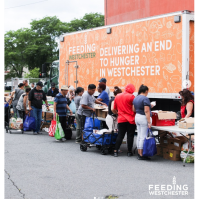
(89, 20)
(34, 73)
(18, 46)
(32, 47)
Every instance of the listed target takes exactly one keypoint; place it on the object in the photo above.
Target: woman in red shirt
(187, 107)
(123, 106)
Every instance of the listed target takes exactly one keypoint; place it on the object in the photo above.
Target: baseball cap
(40, 84)
(102, 80)
(64, 87)
(53, 84)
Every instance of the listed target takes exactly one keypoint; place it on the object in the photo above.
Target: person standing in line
(25, 82)
(70, 99)
(53, 91)
(78, 95)
(123, 106)
(142, 107)
(36, 97)
(18, 92)
(111, 118)
(107, 88)
(60, 107)
(87, 101)
(22, 104)
(103, 96)
(32, 85)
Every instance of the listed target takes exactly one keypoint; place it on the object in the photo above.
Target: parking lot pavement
(42, 168)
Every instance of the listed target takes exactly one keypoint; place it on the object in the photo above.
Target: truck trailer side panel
(147, 51)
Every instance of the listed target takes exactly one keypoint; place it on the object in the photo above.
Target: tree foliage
(32, 47)
(34, 73)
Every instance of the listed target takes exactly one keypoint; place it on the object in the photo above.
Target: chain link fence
(17, 81)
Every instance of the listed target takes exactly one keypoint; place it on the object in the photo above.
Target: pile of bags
(184, 151)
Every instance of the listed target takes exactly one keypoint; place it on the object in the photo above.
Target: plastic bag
(29, 123)
(52, 128)
(59, 133)
(72, 106)
(16, 123)
(89, 123)
(190, 157)
(149, 147)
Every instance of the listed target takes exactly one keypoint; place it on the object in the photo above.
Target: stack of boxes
(170, 147)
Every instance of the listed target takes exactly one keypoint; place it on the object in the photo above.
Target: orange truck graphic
(156, 51)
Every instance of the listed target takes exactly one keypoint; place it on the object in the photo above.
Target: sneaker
(63, 139)
(39, 132)
(147, 158)
(34, 133)
(115, 154)
(59, 140)
(77, 142)
(129, 154)
(141, 157)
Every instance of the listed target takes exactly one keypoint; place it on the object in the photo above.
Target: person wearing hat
(60, 107)
(53, 91)
(103, 80)
(35, 97)
(17, 92)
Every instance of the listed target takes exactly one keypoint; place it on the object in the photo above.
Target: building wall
(117, 11)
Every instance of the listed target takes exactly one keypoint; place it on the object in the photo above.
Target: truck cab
(53, 76)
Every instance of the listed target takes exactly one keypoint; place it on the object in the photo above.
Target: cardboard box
(101, 112)
(166, 153)
(186, 123)
(176, 143)
(163, 118)
(49, 116)
(160, 150)
(164, 138)
(170, 154)
(174, 155)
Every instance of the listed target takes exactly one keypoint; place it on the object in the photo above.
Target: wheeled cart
(8, 125)
(104, 142)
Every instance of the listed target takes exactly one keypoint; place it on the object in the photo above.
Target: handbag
(29, 123)
(59, 133)
(90, 125)
(72, 106)
(52, 128)
(149, 148)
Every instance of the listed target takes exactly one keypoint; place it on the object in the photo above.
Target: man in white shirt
(107, 88)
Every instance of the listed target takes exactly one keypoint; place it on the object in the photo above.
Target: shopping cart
(12, 126)
(104, 142)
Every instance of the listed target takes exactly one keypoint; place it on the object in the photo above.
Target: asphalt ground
(38, 167)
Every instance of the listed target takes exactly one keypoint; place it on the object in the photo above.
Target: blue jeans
(37, 114)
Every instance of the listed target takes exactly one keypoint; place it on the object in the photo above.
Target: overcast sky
(18, 14)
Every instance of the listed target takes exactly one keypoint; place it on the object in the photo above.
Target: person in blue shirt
(60, 107)
(103, 96)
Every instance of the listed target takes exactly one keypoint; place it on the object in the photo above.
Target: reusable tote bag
(89, 123)
(52, 127)
(59, 133)
(149, 148)
(29, 123)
